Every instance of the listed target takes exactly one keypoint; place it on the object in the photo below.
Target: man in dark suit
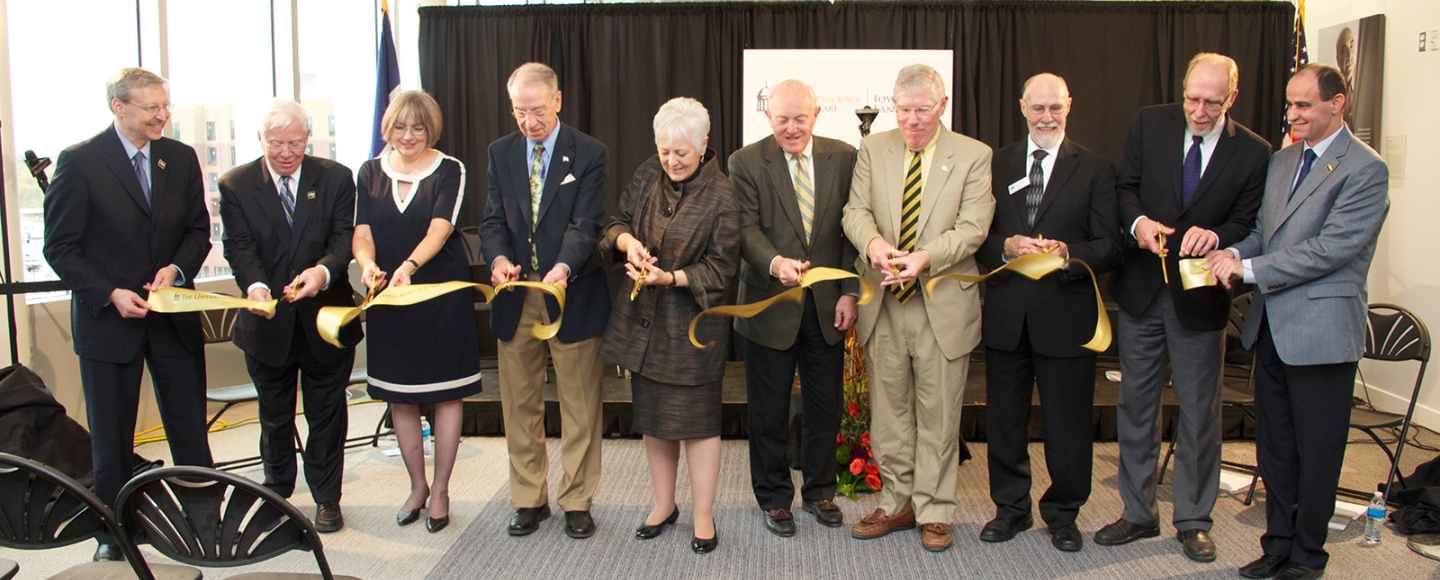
(288, 222)
(1308, 257)
(126, 213)
(547, 199)
(1186, 168)
(792, 190)
(1051, 195)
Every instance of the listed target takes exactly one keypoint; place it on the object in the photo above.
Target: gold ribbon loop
(169, 299)
(1037, 266)
(1194, 275)
(810, 277)
(331, 319)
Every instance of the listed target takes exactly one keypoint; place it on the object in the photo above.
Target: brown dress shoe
(877, 524)
(935, 536)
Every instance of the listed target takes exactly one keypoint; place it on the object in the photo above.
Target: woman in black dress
(678, 221)
(426, 353)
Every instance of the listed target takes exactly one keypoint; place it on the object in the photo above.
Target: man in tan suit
(920, 206)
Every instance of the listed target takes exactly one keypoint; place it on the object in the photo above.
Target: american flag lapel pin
(1329, 167)
(565, 158)
(309, 195)
(160, 162)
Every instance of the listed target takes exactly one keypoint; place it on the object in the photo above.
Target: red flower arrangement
(857, 472)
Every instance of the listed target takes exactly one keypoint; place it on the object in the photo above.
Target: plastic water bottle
(426, 437)
(1374, 521)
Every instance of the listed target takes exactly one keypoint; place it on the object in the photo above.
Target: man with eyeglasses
(920, 206)
(546, 201)
(1190, 180)
(288, 221)
(125, 214)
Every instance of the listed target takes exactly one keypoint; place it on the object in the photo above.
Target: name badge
(1023, 183)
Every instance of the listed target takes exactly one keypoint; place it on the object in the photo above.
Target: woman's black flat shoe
(705, 546)
(646, 532)
(433, 525)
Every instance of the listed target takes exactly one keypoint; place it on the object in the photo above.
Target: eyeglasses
(922, 111)
(532, 114)
(152, 109)
(277, 146)
(1211, 106)
(417, 130)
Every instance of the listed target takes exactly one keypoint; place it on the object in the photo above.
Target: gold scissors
(294, 289)
(640, 280)
(1160, 237)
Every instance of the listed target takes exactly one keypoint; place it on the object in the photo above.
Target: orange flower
(865, 438)
(871, 468)
(857, 467)
(873, 481)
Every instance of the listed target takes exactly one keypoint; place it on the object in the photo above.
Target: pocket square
(569, 177)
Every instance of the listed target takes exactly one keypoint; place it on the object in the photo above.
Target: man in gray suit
(1308, 257)
(792, 189)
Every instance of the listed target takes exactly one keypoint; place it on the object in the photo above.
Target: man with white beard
(1051, 195)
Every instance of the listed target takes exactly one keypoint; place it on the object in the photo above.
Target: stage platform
(483, 412)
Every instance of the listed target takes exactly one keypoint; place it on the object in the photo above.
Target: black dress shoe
(780, 522)
(1293, 571)
(1198, 545)
(433, 525)
(328, 517)
(405, 518)
(1002, 529)
(706, 545)
(579, 524)
(1267, 566)
(826, 512)
(527, 520)
(646, 532)
(1067, 538)
(109, 553)
(1124, 532)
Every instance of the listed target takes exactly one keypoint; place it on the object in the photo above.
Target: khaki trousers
(915, 401)
(577, 379)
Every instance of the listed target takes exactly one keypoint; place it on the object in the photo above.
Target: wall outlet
(1422, 41)
(1434, 38)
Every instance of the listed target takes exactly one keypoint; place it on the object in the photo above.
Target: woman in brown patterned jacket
(678, 226)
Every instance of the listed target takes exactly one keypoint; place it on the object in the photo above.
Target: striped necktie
(1036, 189)
(537, 186)
(909, 222)
(806, 194)
(289, 198)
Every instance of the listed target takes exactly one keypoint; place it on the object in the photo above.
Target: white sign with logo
(844, 80)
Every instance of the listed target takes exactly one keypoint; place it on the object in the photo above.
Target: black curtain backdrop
(619, 62)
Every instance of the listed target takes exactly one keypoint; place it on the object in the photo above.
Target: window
(50, 37)
(332, 148)
(216, 231)
(210, 155)
(209, 130)
(232, 129)
(332, 125)
(309, 148)
(213, 184)
(232, 157)
(337, 73)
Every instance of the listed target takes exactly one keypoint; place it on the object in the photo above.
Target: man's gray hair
(126, 80)
(919, 77)
(792, 84)
(283, 113)
(1226, 63)
(534, 72)
(682, 120)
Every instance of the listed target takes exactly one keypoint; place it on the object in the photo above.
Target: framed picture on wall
(1357, 47)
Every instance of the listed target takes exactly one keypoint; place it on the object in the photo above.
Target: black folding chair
(212, 518)
(1396, 335)
(41, 508)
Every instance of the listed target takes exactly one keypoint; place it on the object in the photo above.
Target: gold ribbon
(810, 277)
(1036, 266)
(332, 318)
(169, 299)
(1194, 275)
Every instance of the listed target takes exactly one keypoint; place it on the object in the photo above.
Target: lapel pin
(309, 195)
(160, 162)
(1329, 167)
(945, 168)
(565, 158)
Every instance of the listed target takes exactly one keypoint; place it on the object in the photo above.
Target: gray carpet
(748, 551)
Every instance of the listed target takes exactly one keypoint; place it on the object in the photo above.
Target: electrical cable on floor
(221, 424)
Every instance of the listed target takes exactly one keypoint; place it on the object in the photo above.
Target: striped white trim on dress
(425, 388)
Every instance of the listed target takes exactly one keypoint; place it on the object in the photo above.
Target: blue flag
(387, 80)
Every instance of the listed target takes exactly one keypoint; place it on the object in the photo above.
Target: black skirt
(675, 412)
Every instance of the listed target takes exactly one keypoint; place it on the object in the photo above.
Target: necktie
(289, 200)
(909, 222)
(537, 186)
(1309, 158)
(1036, 189)
(1190, 176)
(140, 168)
(806, 194)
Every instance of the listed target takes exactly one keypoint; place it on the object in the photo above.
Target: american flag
(1298, 57)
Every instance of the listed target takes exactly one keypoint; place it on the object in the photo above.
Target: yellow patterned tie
(909, 223)
(537, 186)
(806, 194)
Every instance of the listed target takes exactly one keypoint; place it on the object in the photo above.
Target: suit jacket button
(644, 323)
